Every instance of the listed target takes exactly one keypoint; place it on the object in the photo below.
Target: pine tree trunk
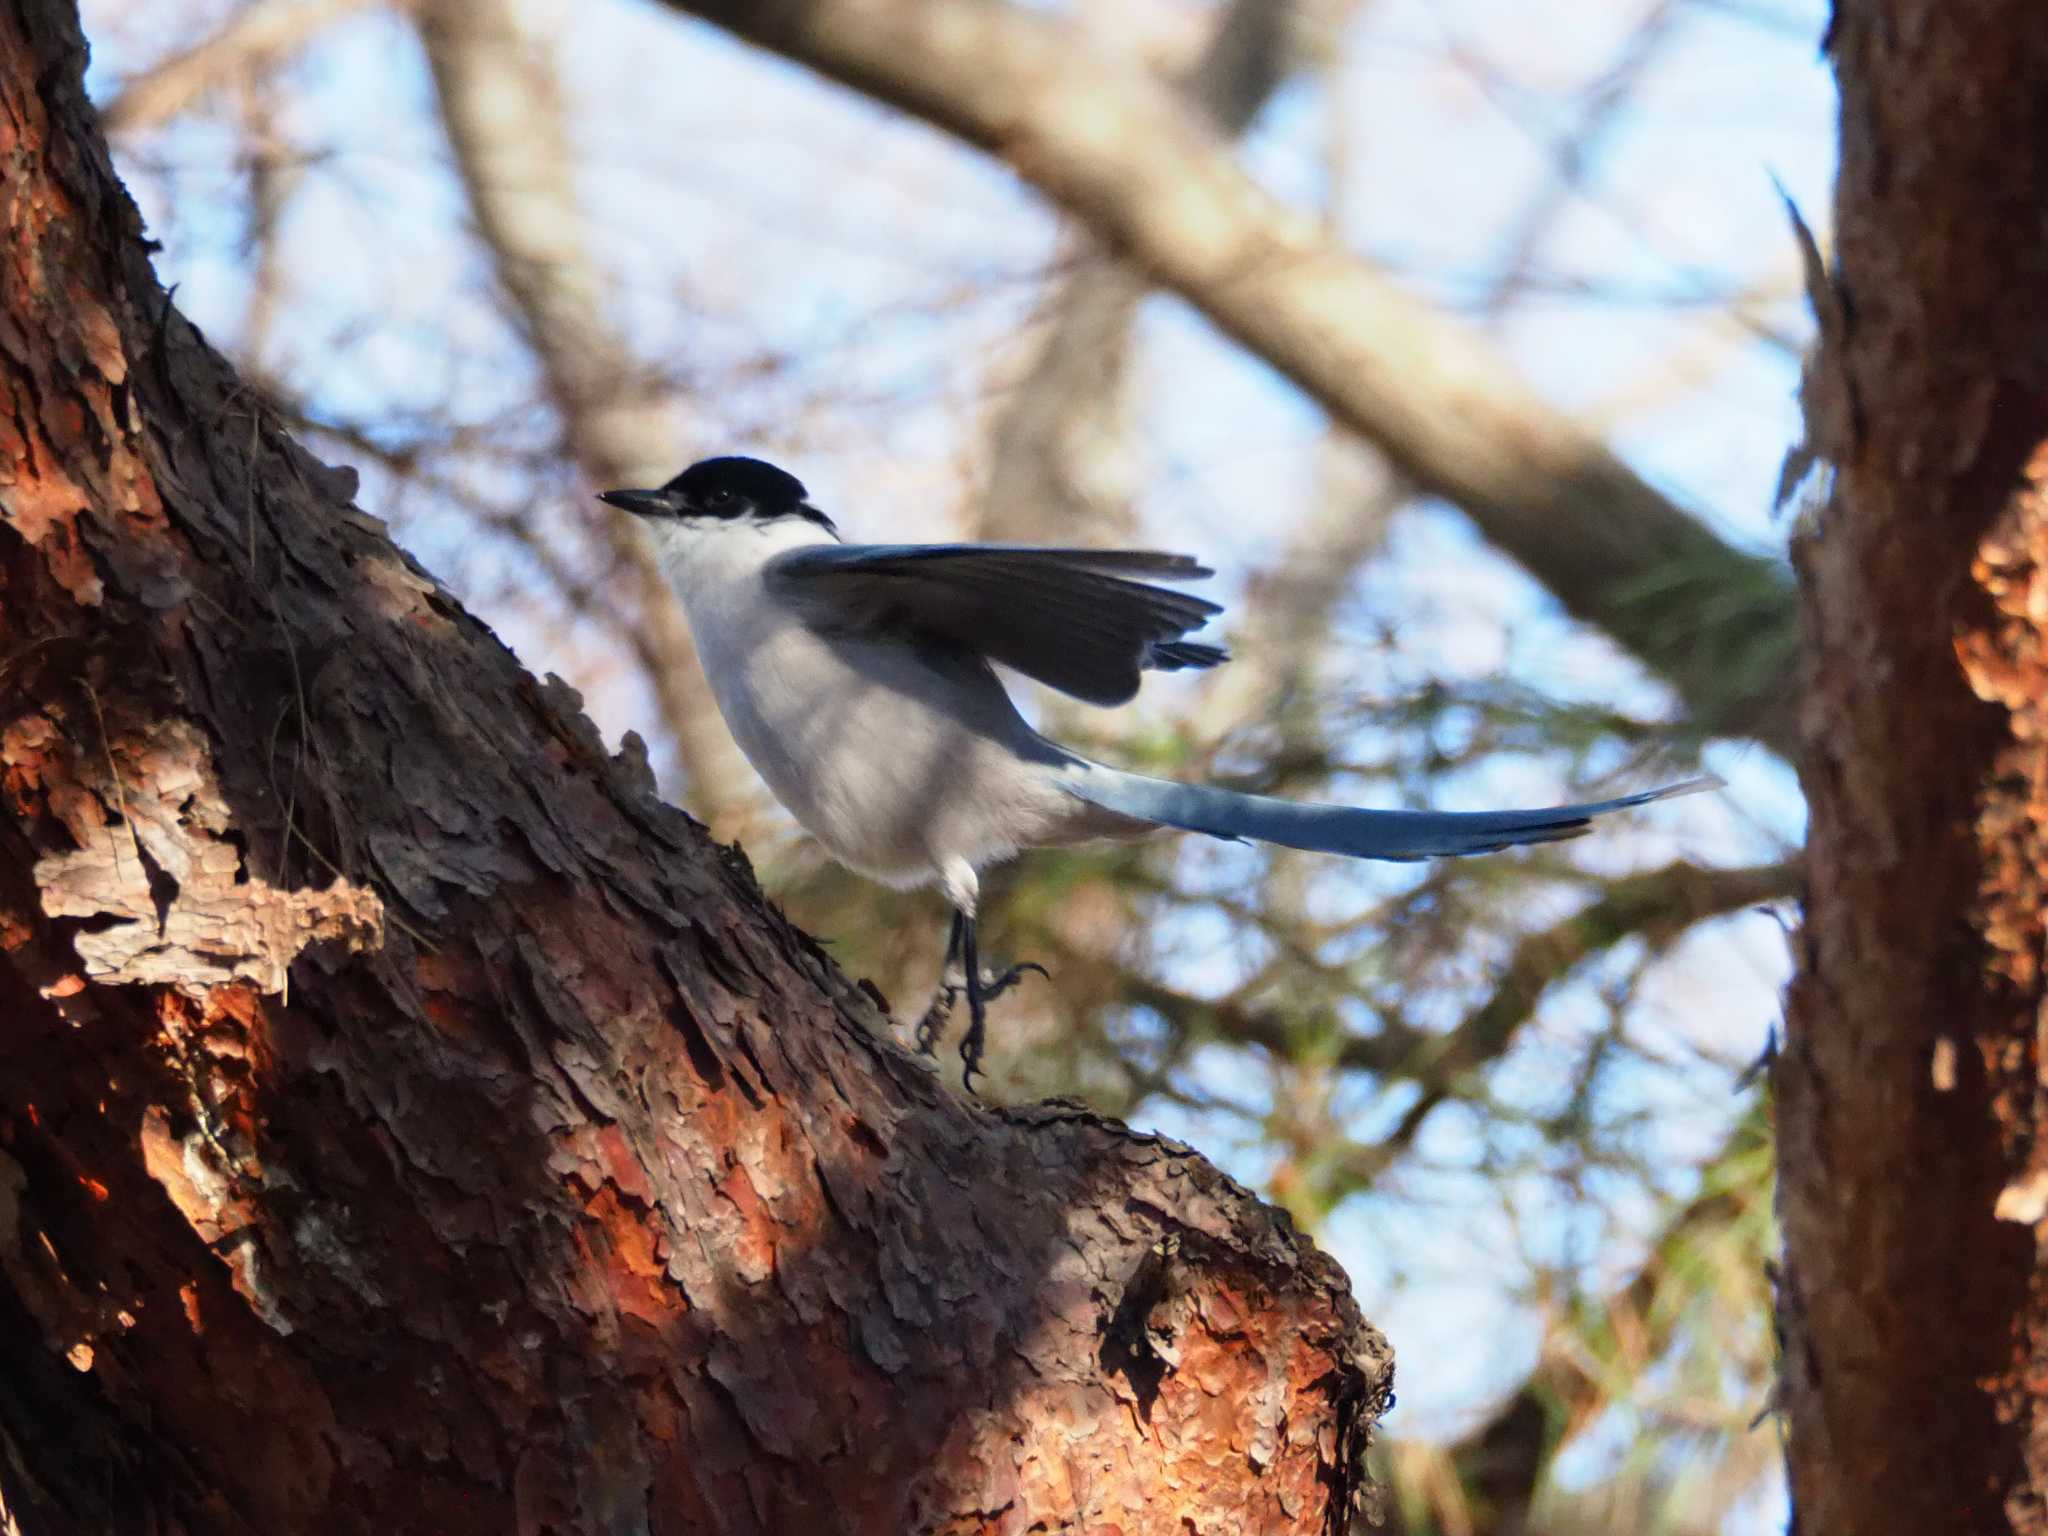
(1914, 1176)
(408, 1123)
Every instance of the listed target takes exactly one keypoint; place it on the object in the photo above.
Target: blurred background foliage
(495, 253)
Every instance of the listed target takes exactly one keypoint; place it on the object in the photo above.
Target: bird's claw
(936, 1017)
(975, 1040)
(970, 1054)
(993, 987)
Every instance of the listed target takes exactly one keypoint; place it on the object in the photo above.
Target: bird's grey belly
(894, 764)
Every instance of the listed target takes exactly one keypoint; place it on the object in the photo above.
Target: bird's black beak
(639, 503)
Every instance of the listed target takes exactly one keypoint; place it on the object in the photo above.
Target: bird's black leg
(941, 1010)
(981, 991)
(977, 1010)
(961, 972)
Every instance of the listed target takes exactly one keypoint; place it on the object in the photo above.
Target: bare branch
(1603, 107)
(1500, 1465)
(1283, 627)
(1124, 153)
(1657, 906)
(250, 38)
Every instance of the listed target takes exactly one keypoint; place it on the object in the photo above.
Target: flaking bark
(408, 1123)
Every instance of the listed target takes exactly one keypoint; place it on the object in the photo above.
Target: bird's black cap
(762, 484)
(725, 488)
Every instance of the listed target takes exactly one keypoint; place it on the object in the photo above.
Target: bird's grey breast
(847, 734)
(897, 754)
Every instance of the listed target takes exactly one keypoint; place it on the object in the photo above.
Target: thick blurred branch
(1060, 461)
(502, 108)
(1123, 152)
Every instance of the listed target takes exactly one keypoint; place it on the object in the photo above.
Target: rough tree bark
(1914, 1177)
(408, 1123)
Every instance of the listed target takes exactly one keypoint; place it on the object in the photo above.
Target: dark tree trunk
(1914, 1178)
(408, 1123)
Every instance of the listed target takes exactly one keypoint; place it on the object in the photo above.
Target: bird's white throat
(703, 558)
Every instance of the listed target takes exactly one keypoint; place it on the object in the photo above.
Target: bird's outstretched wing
(1074, 619)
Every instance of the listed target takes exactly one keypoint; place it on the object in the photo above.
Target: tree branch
(1657, 906)
(1060, 460)
(253, 36)
(1497, 1471)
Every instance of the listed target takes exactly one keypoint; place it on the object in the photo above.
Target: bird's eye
(720, 497)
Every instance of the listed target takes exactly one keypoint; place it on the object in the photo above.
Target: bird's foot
(988, 987)
(935, 1019)
(947, 998)
(971, 1045)
(994, 986)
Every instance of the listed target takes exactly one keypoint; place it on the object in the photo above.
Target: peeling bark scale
(1913, 1175)
(408, 1123)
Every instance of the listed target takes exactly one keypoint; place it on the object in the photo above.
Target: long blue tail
(1349, 830)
